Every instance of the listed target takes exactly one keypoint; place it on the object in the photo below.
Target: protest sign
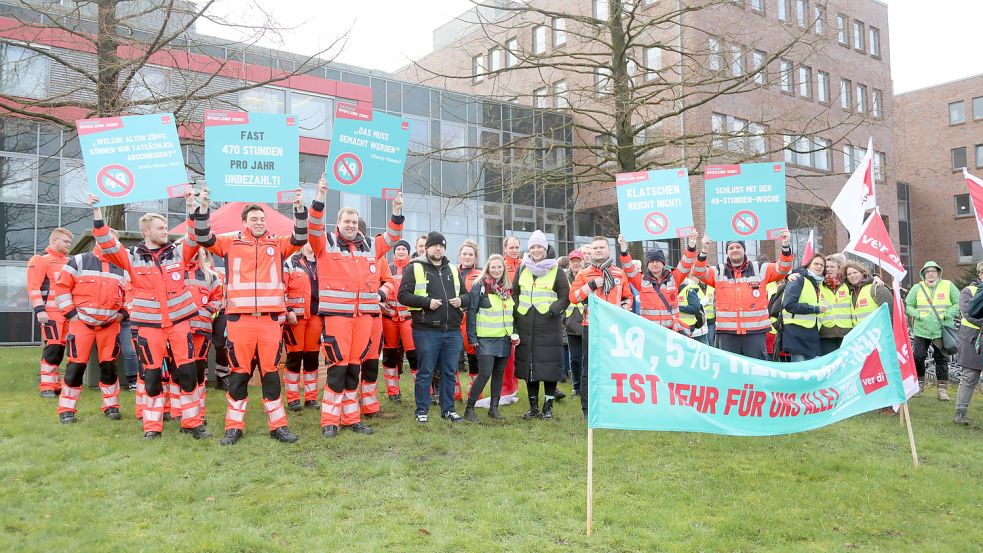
(745, 202)
(646, 377)
(132, 158)
(368, 152)
(251, 157)
(654, 205)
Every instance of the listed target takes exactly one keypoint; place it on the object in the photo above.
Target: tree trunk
(108, 95)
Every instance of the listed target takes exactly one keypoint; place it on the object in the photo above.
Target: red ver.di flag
(132, 158)
(872, 242)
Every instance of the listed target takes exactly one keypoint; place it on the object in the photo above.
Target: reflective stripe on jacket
(741, 298)
(92, 289)
(42, 273)
(839, 307)
(537, 292)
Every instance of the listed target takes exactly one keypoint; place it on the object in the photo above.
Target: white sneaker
(422, 417)
(453, 416)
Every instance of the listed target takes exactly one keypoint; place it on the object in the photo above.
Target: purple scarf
(540, 268)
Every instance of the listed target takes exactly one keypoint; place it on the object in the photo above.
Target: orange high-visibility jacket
(160, 296)
(206, 291)
(254, 266)
(42, 273)
(387, 286)
(512, 267)
(348, 272)
(391, 308)
(580, 290)
(92, 289)
(468, 281)
(652, 307)
(300, 274)
(741, 298)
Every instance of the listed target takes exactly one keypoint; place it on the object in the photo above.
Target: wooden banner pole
(911, 435)
(590, 480)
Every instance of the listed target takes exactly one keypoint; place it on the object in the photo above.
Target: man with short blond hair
(42, 273)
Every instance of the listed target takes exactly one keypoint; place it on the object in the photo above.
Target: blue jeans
(712, 333)
(130, 366)
(436, 349)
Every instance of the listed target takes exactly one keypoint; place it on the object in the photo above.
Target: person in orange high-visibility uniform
(741, 295)
(467, 256)
(349, 281)
(91, 294)
(602, 278)
(207, 291)
(512, 248)
(256, 308)
(160, 312)
(302, 333)
(368, 396)
(42, 273)
(658, 285)
(397, 327)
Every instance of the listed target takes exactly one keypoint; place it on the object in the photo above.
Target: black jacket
(440, 285)
(540, 351)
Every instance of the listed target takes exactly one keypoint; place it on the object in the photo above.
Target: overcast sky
(930, 42)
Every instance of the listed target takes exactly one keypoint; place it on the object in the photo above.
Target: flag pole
(911, 435)
(590, 480)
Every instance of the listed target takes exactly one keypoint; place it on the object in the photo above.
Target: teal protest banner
(654, 205)
(368, 152)
(645, 377)
(745, 202)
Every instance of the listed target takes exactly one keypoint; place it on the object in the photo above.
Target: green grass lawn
(517, 486)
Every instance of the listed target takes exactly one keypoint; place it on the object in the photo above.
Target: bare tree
(641, 81)
(105, 53)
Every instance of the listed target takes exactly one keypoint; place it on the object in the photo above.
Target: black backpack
(775, 306)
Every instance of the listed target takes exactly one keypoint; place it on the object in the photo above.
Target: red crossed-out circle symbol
(115, 180)
(656, 223)
(745, 222)
(348, 168)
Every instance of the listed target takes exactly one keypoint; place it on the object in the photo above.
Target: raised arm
(705, 274)
(775, 272)
(685, 266)
(315, 223)
(394, 230)
(203, 230)
(111, 248)
(627, 264)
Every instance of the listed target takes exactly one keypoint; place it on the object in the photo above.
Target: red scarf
(495, 286)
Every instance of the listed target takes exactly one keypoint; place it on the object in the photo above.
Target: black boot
(112, 413)
(283, 434)
(312, 404)
(558, 395)
(469, 412)
(232, 436)
(533, 411)
(67, 417)
(330, 431)
(198, 432)
(294, 405)
(493, 409)
(547, 413)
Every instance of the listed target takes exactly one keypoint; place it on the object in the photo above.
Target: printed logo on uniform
(862, 303)
(371, 268)
(204, 300)
(842, 293)
(175, 276)
(941, 295)
(270, 251)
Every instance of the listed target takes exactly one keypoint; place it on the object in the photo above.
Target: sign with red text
(646, 377)
(873, 243)
(745, 202)
(654, 205)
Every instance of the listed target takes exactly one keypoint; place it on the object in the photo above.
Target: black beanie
(403, 243)
(435, 238)
(741, 242)
(655, 255)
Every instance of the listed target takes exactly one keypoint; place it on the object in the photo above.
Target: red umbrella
(228, 218)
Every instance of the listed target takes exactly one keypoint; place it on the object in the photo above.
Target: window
(737, 135)
(978, 108)
(601, 9)
(23, 73)
(880, 163)
(853, 155)
(979, 155)
(602, 80)
(713, 45)
(820, 14)
(757, 143)
(736, 61)
(511, 52)
(846, 94)
(822, 87)
(17, 179)
(858, 35)
(559, 31)
(758, 6)
(758, 66)
(801, 12)
(969, 251)
(957, 112)
(958, 158)
(478, 68)
(803, 151)
(539, 39)
(874, 40)
(315, 115)
(785, 76)
(783, 10)
(842, 31)
(653, 62)
(861, 98)
(495, 59)
(263, 100)
(964, 206)
(539, 97)
(805, 81)
(876, 103)
(147, 84)
(453, 136)
(560, 94)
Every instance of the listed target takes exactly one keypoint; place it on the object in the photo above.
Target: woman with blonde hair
(837, 320)
(490, 329)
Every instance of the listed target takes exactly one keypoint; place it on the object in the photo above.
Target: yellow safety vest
(940, 298)
(710, 309)
(495, 321)
(839, 308)
(865, 304)
(686, 318)
(966, 322)
(536, 292)
(421, 282)
(807, 296)
(572, 306)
